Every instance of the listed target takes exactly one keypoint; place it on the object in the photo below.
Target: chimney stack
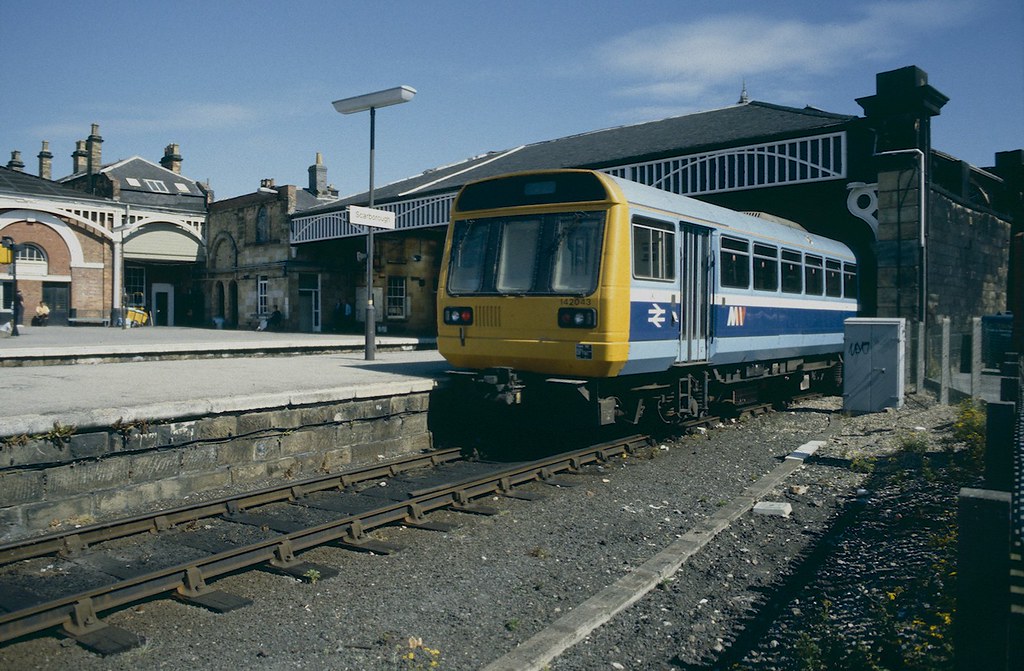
(16, 163)
(79, 158)
(46, 161)
(95, 149)
(172, 159)
(318, 177)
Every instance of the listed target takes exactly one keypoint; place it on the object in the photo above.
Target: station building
(104, 238)
(931, 232)
(251, 270)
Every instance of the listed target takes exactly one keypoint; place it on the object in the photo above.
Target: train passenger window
(792, 272)
(850, 280)
(654, 251)
(766, 268)
(469, 247)
(577, 253)
(814, 280)
(833, 279)
(735, 263)
(517, 257)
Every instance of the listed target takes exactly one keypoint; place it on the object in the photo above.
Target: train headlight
(458, 316)
(577, 318)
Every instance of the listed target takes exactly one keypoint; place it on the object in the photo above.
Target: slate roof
(23, 184)
(738, 125)
(142, 183)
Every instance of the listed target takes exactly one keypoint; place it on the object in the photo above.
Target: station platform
(94, 375)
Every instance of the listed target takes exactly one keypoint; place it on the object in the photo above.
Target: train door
(695, 290)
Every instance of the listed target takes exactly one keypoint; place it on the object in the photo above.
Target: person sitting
(42, 314)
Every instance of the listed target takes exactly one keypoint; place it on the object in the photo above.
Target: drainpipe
(923, 265)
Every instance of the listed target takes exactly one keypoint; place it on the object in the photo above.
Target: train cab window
(654, 255)
(850, 280)
(735, 263)
(833, 279)
(577, 255)
(469, 247)
(518, 256)
(766, 268)
(814, 279)
(792, 272)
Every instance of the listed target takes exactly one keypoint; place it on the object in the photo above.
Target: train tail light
(458, 316)
(577, 318)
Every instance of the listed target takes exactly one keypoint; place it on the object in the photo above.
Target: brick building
(105, 237)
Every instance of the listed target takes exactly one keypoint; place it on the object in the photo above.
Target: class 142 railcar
(632, 301)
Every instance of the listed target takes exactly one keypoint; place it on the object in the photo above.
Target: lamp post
(371, 101)
(8, 243)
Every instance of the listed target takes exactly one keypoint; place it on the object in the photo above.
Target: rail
(350, 518)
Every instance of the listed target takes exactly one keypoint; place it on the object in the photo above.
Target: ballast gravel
(462, 599)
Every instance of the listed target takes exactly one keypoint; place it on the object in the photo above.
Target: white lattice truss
(807, 159)
(105, 219)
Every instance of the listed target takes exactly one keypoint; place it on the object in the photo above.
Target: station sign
(367, 216)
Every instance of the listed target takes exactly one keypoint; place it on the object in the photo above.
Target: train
(579, 289)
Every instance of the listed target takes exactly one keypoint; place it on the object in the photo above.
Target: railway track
(65, 582)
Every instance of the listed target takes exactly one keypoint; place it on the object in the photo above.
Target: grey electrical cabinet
(873, 364)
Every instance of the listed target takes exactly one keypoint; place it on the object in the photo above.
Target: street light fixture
(371, 101)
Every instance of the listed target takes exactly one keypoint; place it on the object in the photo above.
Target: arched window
(262, 225)
(32, 260)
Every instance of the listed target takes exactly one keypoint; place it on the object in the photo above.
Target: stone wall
(968, 259)
(967, 254)
(72, 475)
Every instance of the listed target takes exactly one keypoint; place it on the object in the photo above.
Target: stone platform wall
(70, 476)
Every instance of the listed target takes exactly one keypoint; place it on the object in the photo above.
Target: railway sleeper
(356, 539)
(194, 591)
(92, 633)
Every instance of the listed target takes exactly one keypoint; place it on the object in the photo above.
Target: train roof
(755, 224)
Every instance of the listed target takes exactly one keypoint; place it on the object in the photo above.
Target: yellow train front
(580, 282)
(524, 283)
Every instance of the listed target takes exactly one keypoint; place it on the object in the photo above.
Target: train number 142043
(575, 301)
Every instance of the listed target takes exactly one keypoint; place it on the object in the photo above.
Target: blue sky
(245, 88)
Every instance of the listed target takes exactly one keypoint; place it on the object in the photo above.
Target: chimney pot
(16, 163)
(45, 161)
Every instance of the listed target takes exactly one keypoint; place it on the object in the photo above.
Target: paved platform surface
(262, 370)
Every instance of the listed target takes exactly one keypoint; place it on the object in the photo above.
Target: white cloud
(683, 61)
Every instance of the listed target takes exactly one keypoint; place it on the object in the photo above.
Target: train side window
(766, 268)
(735, 263)
(517, 258)
(850, 280)
(792, 272)
(833, 279)
(814, 280)
(654, 255)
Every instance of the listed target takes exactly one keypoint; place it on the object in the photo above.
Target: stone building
(251, 269)
(106, 237)
(854, 178)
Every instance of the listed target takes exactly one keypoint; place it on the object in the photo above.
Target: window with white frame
(262, 284)
(157, 185)
(396, 298)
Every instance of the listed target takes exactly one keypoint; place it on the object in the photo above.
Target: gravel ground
(754, 598)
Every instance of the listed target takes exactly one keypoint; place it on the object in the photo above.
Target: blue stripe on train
(660, 321)
(737, 321)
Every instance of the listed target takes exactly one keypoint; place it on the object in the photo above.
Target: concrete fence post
(982, 616)
(944, 373)
(976, 357)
